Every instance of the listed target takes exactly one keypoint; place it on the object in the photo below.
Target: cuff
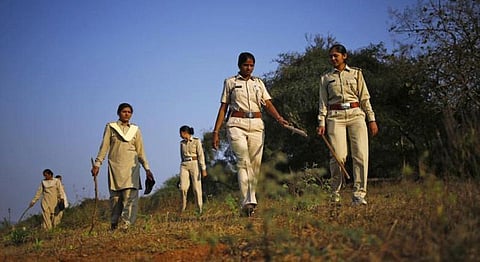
(371, 118)
(321, 121)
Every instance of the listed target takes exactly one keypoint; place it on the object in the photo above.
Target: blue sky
(66, 65)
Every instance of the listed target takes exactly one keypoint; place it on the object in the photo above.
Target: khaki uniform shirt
(345, 86)
(52, 191)
(244, 95)
(193, 148)
(123, 157)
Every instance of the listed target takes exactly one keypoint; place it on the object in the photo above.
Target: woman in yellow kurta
(51, 191)
(124, 144)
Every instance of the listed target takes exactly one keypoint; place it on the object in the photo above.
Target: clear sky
(66, 65)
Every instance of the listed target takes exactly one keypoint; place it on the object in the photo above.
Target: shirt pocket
(334, 89)
(238, 93)
(352, 85)
(191, 148)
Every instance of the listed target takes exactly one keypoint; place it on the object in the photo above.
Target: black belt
(189, 158)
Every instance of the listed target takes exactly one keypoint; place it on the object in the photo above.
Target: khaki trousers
(124, 205)
(339, 124)
(246, 138)
(189, 171)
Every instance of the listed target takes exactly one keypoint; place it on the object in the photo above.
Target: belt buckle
(345, 105)
(187, 159)
(249, 115)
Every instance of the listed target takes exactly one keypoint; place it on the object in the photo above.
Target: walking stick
(96, 199)
(24, 212)
(297, 131)
(342, 167)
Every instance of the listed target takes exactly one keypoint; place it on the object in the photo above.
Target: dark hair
(244, 57)
(47, 171)
(187, 129)
(339, 48)
(58, 176)
(122, 106)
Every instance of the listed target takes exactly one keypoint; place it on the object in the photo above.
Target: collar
(347, 68)
(239, 76)
(120, 123)
(188, 140)
(132, 130)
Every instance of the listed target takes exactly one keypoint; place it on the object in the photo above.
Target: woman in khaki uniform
(51, 191)
(191, 154)
(344, 105)
(124, 144)
(244, 96)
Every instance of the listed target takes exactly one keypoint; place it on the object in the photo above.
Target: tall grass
(458, 145)
(430, 220)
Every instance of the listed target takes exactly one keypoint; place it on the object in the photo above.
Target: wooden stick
(96, 200)
(342, 167)
(24, 212)
(297, 131)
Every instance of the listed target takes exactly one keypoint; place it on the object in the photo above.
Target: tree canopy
(425, 95)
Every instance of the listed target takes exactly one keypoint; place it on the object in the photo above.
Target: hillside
(430, 220)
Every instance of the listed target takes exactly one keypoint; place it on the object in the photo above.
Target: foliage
(294, 87)
(446, 41)
(5, 223)
(18, 236)
(428, 220)
(444, 51)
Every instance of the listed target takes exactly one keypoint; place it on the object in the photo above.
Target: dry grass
(430, 220)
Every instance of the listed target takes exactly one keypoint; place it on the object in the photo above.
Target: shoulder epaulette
(356, 68)
(328, 71)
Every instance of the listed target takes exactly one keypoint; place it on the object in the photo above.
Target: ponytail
(187, 129)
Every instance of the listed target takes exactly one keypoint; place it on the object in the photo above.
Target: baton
(96, 198)
(24, 212)
(297, 131)
(342, 167)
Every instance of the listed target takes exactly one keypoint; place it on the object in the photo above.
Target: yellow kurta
(52, 191)
(125, 154)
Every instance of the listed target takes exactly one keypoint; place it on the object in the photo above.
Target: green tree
(443, 43)
(294, 86)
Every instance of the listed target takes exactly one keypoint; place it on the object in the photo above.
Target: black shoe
(113, 226)
(249, 210)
